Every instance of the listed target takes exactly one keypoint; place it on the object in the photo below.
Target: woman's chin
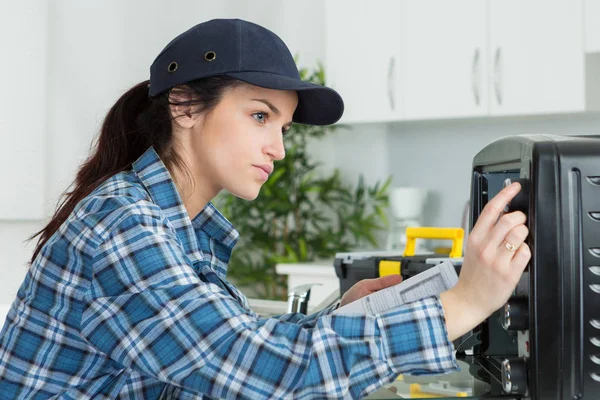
(247, 193)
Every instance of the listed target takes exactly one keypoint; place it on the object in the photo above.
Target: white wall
(23, 76)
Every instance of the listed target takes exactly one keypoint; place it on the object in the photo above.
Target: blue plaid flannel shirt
(129, 300)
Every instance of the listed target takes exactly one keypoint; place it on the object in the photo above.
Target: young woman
(127, 295)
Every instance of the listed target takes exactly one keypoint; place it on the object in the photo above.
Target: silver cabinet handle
(498, 75)
(392, 82)
(476, 76)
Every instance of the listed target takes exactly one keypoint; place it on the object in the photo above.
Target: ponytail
(121, 141)
(132, 125)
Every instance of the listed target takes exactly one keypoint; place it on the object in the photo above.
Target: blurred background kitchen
(427, 84)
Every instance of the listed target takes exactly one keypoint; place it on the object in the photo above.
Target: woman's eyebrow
(274, 109)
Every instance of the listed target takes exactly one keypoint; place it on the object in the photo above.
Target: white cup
(407, 202)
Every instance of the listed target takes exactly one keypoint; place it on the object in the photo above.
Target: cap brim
(317, 105)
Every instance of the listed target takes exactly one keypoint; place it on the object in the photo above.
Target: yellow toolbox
(354, 266)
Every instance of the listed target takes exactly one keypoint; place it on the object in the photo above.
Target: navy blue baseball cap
(248, 52)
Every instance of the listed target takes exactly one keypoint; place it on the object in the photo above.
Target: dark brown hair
(133, 124)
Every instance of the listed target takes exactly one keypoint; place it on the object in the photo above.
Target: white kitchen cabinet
(536, 57)
(445, 71)
(23, 71)
(592, 26)
(363, 57)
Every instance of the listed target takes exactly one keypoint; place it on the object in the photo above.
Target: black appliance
(544, 344)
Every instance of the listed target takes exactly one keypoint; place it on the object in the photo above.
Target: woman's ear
(180, 108)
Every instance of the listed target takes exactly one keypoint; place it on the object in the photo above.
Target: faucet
(298, 298)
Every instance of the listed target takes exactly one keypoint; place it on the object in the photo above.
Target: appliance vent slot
(595, 341)
(594, 180)
(595, 270)
(595, 215)
(595, 251)
(595, 288)
(595, 359)
(595, 376)
(595, 323)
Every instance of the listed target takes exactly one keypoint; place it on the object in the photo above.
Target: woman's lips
(264, 175)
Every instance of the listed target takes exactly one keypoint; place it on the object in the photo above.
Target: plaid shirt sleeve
(148, 309)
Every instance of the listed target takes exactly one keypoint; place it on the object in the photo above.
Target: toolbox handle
(455, 234)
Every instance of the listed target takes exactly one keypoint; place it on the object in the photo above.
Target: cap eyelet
(210, 56)
(172, 67)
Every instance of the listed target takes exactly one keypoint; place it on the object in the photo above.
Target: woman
(127, 294)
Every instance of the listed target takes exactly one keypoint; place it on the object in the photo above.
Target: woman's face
(236, 144)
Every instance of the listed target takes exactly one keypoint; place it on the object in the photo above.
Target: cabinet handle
(476, 76)
(498, 75)
(392, 82)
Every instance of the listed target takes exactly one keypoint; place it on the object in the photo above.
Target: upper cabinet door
(445, 64)
(536, 56)
(592, 26)
(362, 57)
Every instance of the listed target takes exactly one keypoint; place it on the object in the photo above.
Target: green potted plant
(299, 216)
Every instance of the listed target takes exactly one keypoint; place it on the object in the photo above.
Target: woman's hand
(368, 286)
(495, 258)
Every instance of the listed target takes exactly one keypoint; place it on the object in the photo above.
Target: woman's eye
(260, 117)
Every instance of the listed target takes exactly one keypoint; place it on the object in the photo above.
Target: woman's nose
(275, 149)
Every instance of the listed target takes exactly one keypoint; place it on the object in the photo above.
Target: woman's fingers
(382, 282)
(512, 242)
(519, 262)
(496, 254)
(368, 286)
(503, 228)
(493, 209)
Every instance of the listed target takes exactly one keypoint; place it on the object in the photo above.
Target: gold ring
(510, 247)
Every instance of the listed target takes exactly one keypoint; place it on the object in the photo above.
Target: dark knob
(514, 376)
(515, 315)
(521, 201)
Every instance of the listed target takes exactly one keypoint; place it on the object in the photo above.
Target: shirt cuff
(415, 339)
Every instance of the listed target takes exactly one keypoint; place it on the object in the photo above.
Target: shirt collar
(215, 225)
(156, 178)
